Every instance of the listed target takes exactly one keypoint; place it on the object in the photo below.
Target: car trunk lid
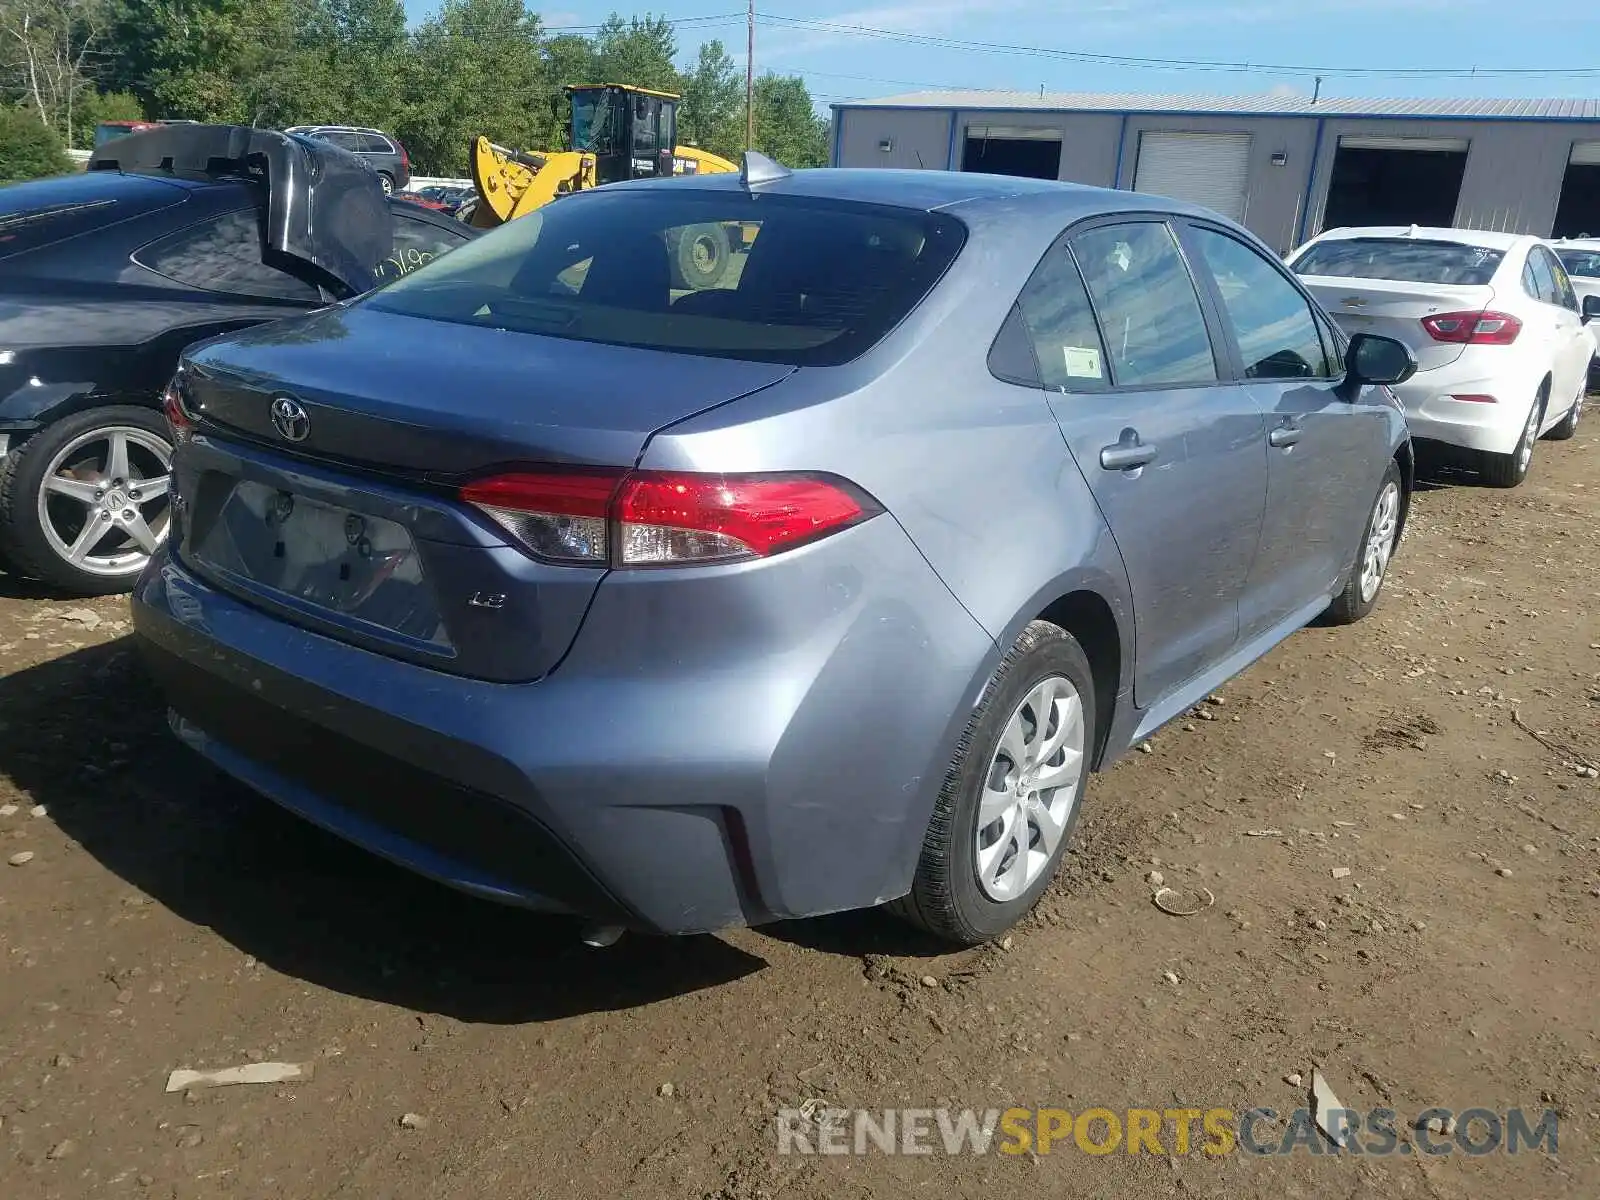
(346, 519)
(1397, 309)
(325, 206)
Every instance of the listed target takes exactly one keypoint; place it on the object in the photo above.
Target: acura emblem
(290, 419)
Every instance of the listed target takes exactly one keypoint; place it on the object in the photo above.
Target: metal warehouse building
(1285, 166)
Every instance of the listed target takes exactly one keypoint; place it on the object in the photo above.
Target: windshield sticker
(1083, 362)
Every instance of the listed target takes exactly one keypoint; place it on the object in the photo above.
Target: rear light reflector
(1473, 328)
(662, 518)
(1474, 398)
(560, 516)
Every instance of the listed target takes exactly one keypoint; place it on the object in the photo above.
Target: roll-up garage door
(1210, 169)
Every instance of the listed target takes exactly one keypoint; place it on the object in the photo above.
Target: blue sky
(1340, 35)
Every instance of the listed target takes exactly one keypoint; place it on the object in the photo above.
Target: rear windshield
(781, 279)
(1585, 263)
(1406, 260)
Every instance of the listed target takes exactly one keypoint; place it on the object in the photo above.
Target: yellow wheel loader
(619, 132)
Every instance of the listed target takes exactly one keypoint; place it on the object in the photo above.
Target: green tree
(47, 53)
(476, 69)
(712, 113)
(567, 58)
(641, 51)
(94, 107)
(787, 126)
(364, 48)
(28, 148)
(184, 58)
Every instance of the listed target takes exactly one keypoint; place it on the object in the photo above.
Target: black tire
(22, 476)
(946, 898)
(701, 257)
(1568, 424)
(1508, 470)
(1349, 606)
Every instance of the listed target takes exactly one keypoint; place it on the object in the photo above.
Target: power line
(1170, 64)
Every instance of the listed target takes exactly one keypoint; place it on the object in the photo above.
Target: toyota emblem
(290, 419)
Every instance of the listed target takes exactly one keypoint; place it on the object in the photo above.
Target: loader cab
(630, 131)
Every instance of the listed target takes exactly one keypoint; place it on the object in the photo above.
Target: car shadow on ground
(86, 735)
(18, 587)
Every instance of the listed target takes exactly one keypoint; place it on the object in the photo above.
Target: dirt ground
(169, 919)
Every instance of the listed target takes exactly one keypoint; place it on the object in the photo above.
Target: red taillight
(1473, 328)
(405, 158)
(178, 418)
(660, 518)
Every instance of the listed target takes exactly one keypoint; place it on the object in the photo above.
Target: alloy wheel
(1530, 435)
(1380, 541)
(1031, 789)
(104, 505)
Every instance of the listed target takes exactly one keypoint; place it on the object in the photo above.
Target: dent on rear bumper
(721, 746)
(1432, 414)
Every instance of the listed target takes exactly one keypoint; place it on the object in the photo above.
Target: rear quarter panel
(90, 326)
(973, 469)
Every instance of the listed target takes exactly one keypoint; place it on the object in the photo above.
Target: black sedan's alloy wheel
(85, 501)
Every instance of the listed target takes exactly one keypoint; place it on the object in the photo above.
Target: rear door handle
(1285, 435)
(1127, 455)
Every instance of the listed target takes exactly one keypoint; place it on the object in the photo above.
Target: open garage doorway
(1578, 214)
(1395, 181)
(1013, 150)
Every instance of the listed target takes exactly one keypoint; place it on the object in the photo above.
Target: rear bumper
(668, 794)
(1432, 413)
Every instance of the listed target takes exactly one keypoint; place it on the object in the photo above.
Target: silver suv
(384, 151)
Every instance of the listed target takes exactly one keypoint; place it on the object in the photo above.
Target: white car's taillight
(1473, 328)
(665, 518)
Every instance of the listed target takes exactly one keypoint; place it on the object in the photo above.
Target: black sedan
(170, 237)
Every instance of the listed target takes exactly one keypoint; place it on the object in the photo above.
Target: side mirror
(1591, 309)
(1379, 360)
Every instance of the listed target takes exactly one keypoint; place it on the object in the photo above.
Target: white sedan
(1581, 258)
(1493, 319)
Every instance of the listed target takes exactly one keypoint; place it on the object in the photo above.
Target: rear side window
(1583, 263)
(1155, 330)
(372, 143)
(416, 243)
(785, 279)
(1544, 280)
(1404, 260)
(1060, 323)
(224, 254)
(1566, 296)
(1271, 320)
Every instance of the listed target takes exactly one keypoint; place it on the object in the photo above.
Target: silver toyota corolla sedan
(821, 585)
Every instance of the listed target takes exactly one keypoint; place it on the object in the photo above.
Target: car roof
(1488, 239)
(335, 129)
(975, 194)
(90, 186)
(1577, 243)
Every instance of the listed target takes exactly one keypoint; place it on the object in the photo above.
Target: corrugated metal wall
(1513, 176)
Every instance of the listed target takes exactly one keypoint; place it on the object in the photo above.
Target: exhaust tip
(599, 937)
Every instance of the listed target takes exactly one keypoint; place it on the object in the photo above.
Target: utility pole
(750, 77)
